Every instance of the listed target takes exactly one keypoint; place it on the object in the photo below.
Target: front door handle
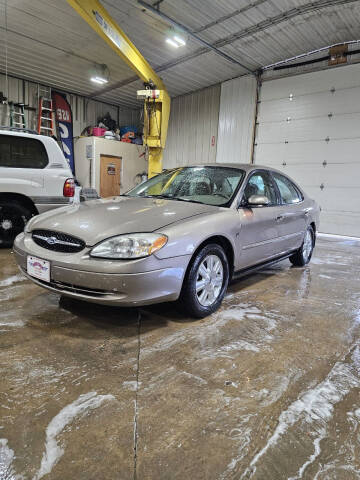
(279, 218)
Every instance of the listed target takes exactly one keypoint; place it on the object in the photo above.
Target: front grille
(57, 241)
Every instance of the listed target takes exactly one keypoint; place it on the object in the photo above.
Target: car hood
(96, 220)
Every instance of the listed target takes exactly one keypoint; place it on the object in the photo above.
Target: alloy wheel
(209, 280)
(307, 245)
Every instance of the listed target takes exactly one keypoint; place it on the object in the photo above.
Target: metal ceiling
(49, 43)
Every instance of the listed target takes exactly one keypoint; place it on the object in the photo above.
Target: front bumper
(103, 281)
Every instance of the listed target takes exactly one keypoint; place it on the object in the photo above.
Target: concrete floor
(267, 388)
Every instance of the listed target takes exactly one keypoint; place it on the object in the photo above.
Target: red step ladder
(46, 124)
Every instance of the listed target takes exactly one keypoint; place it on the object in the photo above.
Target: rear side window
(288, 191)
(22, 152)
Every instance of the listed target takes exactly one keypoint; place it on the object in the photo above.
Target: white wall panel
(315, 138)
(236, 120)
(193, 125)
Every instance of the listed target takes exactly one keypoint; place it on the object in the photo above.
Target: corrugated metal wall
(236, 120)
(85, 111)
(18, 91)
(192, 134)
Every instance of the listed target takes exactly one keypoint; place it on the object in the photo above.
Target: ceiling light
(175, 41)
(172, 43)
(99, 80)
(99, 74)
(179, 40)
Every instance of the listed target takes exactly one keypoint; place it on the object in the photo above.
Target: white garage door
(309, 127)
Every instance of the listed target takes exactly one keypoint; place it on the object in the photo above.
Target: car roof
(248, 167)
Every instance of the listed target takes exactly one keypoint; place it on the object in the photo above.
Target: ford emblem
(51, 240)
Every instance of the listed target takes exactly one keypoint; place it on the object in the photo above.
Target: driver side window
(260, 183)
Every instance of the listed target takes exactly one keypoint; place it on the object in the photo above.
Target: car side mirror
(258, 200)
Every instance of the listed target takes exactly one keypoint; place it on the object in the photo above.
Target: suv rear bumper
(43, 204)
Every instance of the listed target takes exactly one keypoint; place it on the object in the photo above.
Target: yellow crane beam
(156, 100)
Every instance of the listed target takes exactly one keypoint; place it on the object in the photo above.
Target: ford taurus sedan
(182, 235)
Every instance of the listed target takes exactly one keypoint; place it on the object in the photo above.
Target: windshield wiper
(185, 200)
(169, 197)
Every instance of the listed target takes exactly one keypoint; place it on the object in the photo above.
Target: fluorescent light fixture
(176, 41)
(172, 43)
(100, 80)
(179, 40)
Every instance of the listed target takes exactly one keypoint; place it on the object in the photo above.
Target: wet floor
(267, 388)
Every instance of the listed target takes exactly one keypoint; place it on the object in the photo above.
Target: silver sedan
(181, 236)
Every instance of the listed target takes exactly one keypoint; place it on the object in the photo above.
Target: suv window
(260, 183)
(22, 152)
(288, 191)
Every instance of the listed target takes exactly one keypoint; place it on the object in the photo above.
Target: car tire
(303, 255)
(13, 218)
(209, 268)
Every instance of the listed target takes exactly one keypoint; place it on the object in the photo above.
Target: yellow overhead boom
(157, 99)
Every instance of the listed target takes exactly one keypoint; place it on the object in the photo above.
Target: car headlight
(135, 245)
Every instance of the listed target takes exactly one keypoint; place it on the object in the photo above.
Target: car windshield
(209, 185)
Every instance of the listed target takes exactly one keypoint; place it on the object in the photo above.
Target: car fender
(185, 236)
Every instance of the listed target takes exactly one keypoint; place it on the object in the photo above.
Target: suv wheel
(206, 282)
(303, 256)
(13, 218)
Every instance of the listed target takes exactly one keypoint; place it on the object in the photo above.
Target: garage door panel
(320, 151)
(330, 175)
(338, 78)
(334, 151)
(340, 223)
(331, 196)
(344, 126)
(268, 154)
(334, 199)
(312, 105)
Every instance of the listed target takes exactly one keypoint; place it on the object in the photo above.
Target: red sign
(213, 141)
(65, 126)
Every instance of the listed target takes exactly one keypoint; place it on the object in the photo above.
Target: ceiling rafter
(185, 29)
(233, 14)
(257, 28)
(282, 17)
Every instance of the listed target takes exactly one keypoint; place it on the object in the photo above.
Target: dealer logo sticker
(38, 268)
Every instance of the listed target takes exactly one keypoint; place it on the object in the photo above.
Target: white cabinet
(90, 150)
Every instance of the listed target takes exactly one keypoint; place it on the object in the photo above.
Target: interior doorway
(110, 175)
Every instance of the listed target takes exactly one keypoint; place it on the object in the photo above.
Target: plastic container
(129, 134)
(126, 129)
(98, 132)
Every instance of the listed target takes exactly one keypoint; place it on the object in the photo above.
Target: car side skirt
(259, 266)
